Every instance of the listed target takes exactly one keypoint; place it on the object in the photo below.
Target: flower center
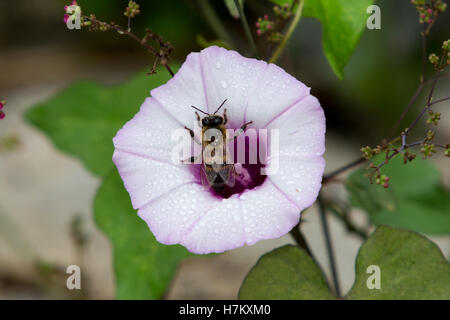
(249, 157)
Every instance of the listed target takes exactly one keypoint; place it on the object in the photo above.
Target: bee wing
(205, 177)
(227, 173)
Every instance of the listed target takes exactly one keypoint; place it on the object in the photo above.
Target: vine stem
(423, 35)
(298, 14)
(361, 160)
(439, 101)
(430, 96)
(214, 21)
(329, 247)
(120, 30)
(334, 173)
(300, 239)
(246, 27)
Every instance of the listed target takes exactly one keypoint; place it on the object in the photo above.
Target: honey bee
(217, 171)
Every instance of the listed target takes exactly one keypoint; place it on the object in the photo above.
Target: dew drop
(224, 84)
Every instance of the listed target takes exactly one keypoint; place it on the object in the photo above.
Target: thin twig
(298, 14)
(329, 246)
(246, 27)
(408, 108)
(121, 30)
(214, 22)
(352, 164)
(439, 101)
(344, 216)
(430, 96)
(424, 55)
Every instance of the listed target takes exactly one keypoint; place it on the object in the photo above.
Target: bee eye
(217, 121)
(205, 122)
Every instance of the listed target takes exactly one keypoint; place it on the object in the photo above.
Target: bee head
(212, 121)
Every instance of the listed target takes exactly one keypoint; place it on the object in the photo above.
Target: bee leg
(225, 119)
(241, 130)
(198, 119)
(191, 132)
(191, 159)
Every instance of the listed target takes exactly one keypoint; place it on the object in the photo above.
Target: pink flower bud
(266, 17)
(257, 25)
(386, 185)
(2, 115)
(66, 17)
(1, 106)
(258, 32)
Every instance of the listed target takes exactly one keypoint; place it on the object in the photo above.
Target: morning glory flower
(171, 197)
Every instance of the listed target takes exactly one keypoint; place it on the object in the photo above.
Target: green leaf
(285, 273)
(232, 7)
(343, 23)
(415, 200)
(82, 119)
(143, 266)
(411, 267)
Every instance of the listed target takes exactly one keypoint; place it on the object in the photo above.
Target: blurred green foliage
(82, 120)
(416, 199)
(343, 23)
(143, 267)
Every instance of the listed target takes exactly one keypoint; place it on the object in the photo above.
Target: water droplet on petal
(224, 84)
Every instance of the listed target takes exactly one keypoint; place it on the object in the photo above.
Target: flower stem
(330, 251)
(300, 239)
(352, 164)
(298, 14)
(246, 27)
(214, 22)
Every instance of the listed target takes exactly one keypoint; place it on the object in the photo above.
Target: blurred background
(46, 196)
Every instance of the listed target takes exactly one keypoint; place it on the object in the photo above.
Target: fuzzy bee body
(217, 172)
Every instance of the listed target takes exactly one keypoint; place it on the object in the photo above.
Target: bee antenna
(220, 106)
(200, 110)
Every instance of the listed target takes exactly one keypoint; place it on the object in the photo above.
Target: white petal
(219, 229)
(228, 75)
(146, 179)
(185, 89)
(173, 215)
(149, 133)
(301, 129)
(300, 179)
(267, 213)
(275, 92)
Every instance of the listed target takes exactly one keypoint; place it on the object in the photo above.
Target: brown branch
(439, 101)
(142, 41)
